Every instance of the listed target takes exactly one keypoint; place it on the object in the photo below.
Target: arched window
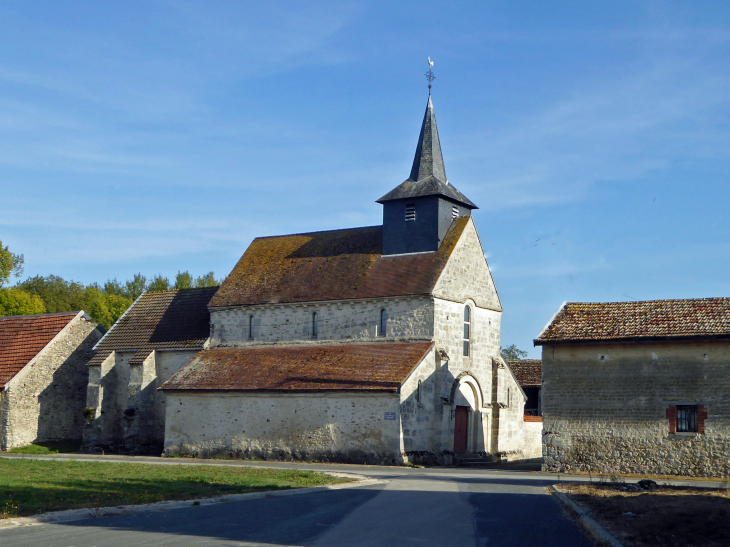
(467, 329)
(418, 392)
(314, 325)
(250, 327)
(508, 401)
(383, 323)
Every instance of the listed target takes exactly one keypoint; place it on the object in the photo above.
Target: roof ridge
(703, 299)
(319, 232)
(41, 315)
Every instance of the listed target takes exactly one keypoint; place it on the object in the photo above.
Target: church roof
(635, 321)
(333, 265)
(428, 173)
(528, 372)
(340, 367)
(160, 320)
(23, 337)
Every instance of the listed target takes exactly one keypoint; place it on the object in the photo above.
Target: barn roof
(23, 337)
(528, 372)
(341, 367)
(160, 320)
(648, 320)
(333, 265)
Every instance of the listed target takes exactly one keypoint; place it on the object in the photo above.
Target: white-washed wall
(408, 318)
(343, 427)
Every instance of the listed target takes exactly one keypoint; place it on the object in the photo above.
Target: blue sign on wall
(390, 415)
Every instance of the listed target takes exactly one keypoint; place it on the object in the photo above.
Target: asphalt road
(444, 507)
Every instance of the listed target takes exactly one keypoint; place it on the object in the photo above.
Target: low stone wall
(348, 428)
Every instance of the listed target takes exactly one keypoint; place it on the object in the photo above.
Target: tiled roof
(21, 338)
(343, 367)
(654, 319)
(527, 371)
(160, 320)
(334, 265)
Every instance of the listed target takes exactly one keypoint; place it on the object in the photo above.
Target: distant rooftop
(648, 320)
(527, 371)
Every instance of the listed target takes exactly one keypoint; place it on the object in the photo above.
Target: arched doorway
(466, 415)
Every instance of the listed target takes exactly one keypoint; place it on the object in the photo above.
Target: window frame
(250, 327)
(688, 418)
(383, 326)
(315, 329)
(467, 330)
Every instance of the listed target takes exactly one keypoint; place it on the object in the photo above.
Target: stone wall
(408, 318)
(129, 411)
(341, 427)
(605, 407)
(45, 401)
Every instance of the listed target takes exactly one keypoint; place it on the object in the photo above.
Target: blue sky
(165, 136)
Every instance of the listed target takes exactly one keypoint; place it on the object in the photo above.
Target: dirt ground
(668, 516)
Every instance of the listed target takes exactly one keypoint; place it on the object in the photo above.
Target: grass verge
(29, 487)
(54, 447)
(670, 516)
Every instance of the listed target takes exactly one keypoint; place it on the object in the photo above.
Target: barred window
(687, 419)
(410, 212)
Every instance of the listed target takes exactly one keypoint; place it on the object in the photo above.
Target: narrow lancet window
(314, 325)
(467, 330)
(383, 323)
(418, 392)
(250, 327)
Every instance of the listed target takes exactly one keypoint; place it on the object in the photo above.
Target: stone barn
(378, 344)
(159, 333)
(43, 377)
(638, 387)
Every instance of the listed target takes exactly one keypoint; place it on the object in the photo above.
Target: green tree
(183, 280)
(11, 264)
(159, 283)
(207, 280)
(112, 286)
(135, 286)
(57, 294)
(16, 302)
(512, 353)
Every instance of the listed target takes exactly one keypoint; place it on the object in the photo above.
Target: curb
(596, 531)
(81, 514)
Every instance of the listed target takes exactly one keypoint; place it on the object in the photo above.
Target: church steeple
(428, 160)
(418, 212)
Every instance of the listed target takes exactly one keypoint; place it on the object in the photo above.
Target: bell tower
(418, 212)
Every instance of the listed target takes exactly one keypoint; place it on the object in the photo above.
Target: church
(378, 344)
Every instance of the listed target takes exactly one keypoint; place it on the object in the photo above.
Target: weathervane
(429, 75)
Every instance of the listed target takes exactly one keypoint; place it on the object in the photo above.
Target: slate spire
(428, 175)
(428, 160)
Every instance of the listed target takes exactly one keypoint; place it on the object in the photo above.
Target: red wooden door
(461, 420)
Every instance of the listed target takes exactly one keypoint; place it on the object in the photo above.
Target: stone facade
(605, 407)
(129, 411)
(318, 427)
(45, 400)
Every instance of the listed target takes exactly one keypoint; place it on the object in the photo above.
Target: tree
(16, 302)
(135, 287)
(183, 280)
(57, 294)
(513, 353)
(159, 283)
(11, 264)
(112, 286)
(207, 280)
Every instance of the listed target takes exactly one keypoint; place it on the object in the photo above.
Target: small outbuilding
(43, 377)
(638, 387)
(529, 375)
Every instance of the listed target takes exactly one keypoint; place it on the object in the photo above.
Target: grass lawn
(669, 516)
(29, 487)
(54, 447)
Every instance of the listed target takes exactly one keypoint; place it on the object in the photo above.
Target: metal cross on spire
(429, 75)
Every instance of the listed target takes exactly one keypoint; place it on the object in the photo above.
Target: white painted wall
(338, 426)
